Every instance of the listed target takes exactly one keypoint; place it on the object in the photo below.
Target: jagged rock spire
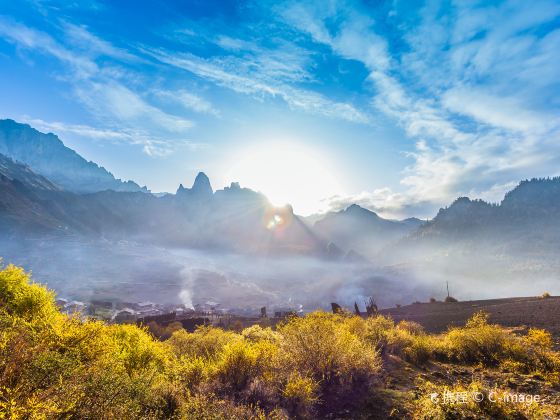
(201, 187)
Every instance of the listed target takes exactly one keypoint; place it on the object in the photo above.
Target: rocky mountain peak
(201, 188)
(201, 185)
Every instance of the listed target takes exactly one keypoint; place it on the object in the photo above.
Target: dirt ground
(522, 312)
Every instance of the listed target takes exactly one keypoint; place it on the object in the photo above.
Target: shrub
(54, 366)
(326, 348)
(450, 299)
(545, 295)
(376, 331)
(412, 327)
(322, 365)
(138, 351)
(539, 338)
(212, 407)
(237, 364)
(492, 345)
(206, 341)
(163, 332)
(301, 395)
(257, 333)
(481, 342)
(192, 371)
(21, 298)
(415, 347)
(492, 404)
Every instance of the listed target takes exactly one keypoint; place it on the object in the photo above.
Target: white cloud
(31, 39)
(224, 75)
(501, 112)
(99, 88)
(88, 43)
(188, 101)
(472, 89)
(385, 202)
(128, 107)
(150, 145)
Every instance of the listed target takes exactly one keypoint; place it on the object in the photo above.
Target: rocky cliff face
(46, 155)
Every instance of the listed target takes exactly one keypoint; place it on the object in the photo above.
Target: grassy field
(520, 313)
(318, 366)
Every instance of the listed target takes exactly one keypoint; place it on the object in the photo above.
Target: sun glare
(286, 173)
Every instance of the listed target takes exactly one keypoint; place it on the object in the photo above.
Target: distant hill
(362, 230)
(46, 155)
(523, 229)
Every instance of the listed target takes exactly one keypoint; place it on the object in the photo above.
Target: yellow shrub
(414, 347)
(321, 346)
(258, 333)
(377, 329)
(19, 297)
(301, 389)
(474, 401)
(237, 364)
(539, 338)
(212, 407)
(412, 327)
(491, 345)
(206, 341)
(241, 362)
(56, 366)
(190, 372)
(480, 342)
(139, 352)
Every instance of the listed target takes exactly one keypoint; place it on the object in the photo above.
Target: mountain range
(47, 188)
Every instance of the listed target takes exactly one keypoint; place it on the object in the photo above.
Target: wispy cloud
(128, 107)
(99, 88)
(80, 37)
(150, 145)
(255, 82)
(471, 89)
(188, 101)
(30, 39)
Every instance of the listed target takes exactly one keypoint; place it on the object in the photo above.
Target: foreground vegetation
(321, 365)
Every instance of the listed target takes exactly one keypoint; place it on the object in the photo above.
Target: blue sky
(397, 106)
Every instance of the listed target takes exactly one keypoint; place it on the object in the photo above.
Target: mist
(132, 271)
(129, 271)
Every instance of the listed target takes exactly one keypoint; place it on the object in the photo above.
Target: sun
(287, 173)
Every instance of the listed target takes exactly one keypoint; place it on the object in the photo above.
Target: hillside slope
(46, 155)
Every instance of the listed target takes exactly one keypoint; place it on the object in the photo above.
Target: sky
(398, 106)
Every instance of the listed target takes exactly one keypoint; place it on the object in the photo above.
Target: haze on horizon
(398, 107)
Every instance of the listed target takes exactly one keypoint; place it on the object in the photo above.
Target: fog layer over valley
(133, 272)
(233, 248)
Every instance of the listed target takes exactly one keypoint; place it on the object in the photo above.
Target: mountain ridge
(47, 155)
